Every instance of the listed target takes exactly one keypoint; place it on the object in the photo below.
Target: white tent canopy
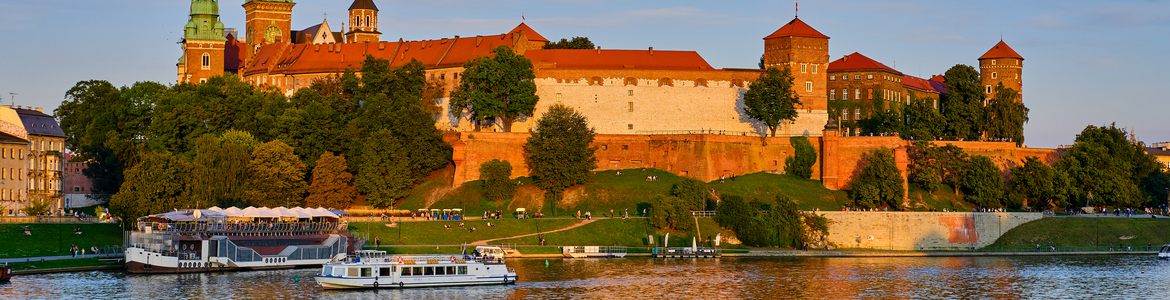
(188, 215)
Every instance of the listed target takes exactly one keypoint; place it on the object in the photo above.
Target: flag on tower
(522, 17)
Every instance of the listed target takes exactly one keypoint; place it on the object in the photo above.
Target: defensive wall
(916, 230)
(710, 156)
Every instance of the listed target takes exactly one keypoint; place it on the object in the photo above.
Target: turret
(1003, 65)
(363, 22)
(203, 43)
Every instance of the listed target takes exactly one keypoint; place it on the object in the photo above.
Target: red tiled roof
(917, 83)
(531, 34)
(796, 27)
(938, 78)
(617, 59)
(1001, 50)
(857, 62)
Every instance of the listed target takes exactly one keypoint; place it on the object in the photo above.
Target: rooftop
(796, 27)
(858, 62)
(1001, 50)
(617, 59)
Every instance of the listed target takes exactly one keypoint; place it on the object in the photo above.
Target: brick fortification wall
(914, 230)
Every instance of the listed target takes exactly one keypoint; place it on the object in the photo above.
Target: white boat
(375, 269)
(593, 251)
(1164, 253)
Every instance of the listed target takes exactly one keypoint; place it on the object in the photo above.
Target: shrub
(801, 163)
(497, 179)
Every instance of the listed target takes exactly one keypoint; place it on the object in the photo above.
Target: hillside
(1087, 231)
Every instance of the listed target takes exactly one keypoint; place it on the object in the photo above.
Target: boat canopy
(216, 213)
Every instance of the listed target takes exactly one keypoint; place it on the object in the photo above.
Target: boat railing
(596, 249)
(183, 228)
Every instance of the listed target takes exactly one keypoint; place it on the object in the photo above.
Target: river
(1035, 277)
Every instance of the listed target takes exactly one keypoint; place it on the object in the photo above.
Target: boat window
(353, 272)
(406, 272)
(338, 272)
(384, 272)
(451, 270)
(418, 271)
(440, 271)
(327, 271)
(366, 272)
(429, 270)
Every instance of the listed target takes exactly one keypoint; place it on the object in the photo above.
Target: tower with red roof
(1003, 65)
(805, 51)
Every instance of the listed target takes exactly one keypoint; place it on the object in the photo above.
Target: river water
(1040, 277)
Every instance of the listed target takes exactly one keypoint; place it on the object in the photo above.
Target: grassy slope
(618, 232)
(808, 193)
(433, 233)
(44, 241)
(920, 200)
(1086, 231)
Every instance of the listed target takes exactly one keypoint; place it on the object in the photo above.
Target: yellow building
(1161, 152)
(13, 147)
(42, 164)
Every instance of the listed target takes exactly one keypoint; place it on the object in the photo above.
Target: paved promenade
(39, 258)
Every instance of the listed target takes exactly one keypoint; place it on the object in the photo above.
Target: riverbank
(1088, 231)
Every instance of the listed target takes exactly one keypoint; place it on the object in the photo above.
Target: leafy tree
(277, 177)
(692, 192)
(884, 116)
(923, 122)
(189, 110)
(782, 225)
(670, 212)
(496, 88)
(241, 139)
(220, 172)
(1157, 187)
(803, 158)
(576, 43)
(102, 124)
(558, 153)
(1035, 184)
(771, 99)
(880, 182)
(497, 179)
(963, 102)
(38, 205)
(160, 183)
(383, 175)
(332, 183)
(934, 165)
(982, 182)
(788, 221)
(1006, 115)
(734, 213)
(1103, 161)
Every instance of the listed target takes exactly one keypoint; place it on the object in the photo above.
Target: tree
(160, 183)
(803, 158)
(882, 119)
(497, 179)
(220, 172)
(38, 205)
(963, 102)
(332, 183)
(880, 182)
(278, 176)
(384, 174)
(692, 192)
(982, 182)
(1006, 115)
(558, 153)
(496, 88)
(771, 99)
(934, 165)
(1036, 185)
(923, 122)
(576, 43)
(669, 212)
(1105, 162)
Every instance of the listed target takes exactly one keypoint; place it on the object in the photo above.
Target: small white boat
(375, 269)
(1164, 253)
(594, 251)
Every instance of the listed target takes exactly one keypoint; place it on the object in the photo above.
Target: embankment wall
(916, 230)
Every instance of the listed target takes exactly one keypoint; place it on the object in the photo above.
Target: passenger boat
(1164, 253)
(375, 269)
(594, 251)
(215, 239)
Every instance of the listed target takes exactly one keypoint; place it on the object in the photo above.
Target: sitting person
(461, 225)
(447, 226)
(473, 229)
(489, 224)
(27, 232)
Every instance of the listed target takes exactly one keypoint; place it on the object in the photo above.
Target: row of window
(867, 77)
(11, 194)
(804, 68)
(845, 94)
(12, 173)
(856, 114)
(405, 271)
(357, 21)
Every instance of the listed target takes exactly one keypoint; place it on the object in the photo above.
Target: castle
(651, 108)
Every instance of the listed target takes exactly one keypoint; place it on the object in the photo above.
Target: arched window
(367, 21)
(206, 61)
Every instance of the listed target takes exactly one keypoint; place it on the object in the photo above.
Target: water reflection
(754, 278)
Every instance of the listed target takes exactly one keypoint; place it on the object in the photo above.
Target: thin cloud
(1047, 21)
(929, 35)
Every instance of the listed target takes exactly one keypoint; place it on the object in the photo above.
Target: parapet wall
(916, 230)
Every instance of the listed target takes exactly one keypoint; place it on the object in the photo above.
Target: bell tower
(363, 22)
(805, 51)
(268, 21)
(203, 43)
(1003, 65)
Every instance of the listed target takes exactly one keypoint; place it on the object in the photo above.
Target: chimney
(478, 39)
(651, 51)
(381, 46)
(40, 109)
(598, 50)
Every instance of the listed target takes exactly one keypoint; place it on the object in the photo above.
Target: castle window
(804, 68)
(630, 92)
(992, 62)
(206, 61)
(367, 21)
(856, 77)
(558, 97)
(202, 80)
(630, 127)
(604, 147)
(1017, 76)
(442, 76)
(857, 114)
(857, 94)
(988, 88)
(808, 86)
(832, 94)
(994, 75)
(814, 67)
(870, 76)
(631, 106)
(832, 77)
(844, 94)
(627, 147)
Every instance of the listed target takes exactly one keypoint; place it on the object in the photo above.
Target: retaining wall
(915, 230)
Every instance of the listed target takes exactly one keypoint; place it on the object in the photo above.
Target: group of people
(464, 226)
(80, 251)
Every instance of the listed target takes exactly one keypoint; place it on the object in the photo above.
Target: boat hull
(335, 283)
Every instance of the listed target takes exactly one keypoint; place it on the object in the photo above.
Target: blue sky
(1087, 62)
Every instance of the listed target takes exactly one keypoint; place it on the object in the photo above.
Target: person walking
(377, 242)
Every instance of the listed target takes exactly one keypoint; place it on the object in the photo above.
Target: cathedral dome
(204, 7)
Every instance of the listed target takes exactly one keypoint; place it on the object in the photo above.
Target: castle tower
(1001, 64)
(203, 43)
(268, 21)
(805, 51)
(363, 22)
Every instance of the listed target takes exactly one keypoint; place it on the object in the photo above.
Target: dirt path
(437, 194)
(485, 242)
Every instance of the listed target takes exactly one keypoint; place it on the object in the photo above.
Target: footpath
(66, 269)
(485, 242)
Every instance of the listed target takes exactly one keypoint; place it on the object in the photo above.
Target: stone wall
(914, 230)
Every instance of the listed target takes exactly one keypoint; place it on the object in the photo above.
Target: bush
(801, 163)
(497, 179)
(982, 182)
(670, 212)
(755, 226)
(880, 181)
(693, 192)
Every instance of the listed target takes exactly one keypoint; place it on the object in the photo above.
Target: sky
(1086, 62)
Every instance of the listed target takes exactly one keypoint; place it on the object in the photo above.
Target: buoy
(546, 263)
(296, 279)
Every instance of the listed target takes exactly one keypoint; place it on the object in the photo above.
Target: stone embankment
(920, 230)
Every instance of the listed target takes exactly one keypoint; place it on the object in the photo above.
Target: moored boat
(375, 269)
(201, 240)
(5, 273)
(1164, 253)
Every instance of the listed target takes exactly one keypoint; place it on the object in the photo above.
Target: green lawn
(1087, 231)
(920, 200)
(433, 233)
(55, 239)
(807, 193)
(62, 263)
(632, 232)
